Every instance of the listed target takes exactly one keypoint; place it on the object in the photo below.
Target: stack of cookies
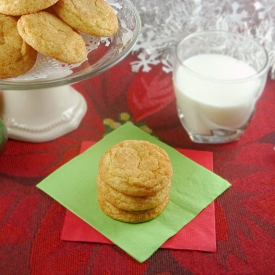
(50, 27)
(134, 181)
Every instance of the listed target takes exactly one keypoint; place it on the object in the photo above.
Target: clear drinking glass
(218, 77)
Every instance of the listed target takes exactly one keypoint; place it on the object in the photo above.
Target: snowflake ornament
(236, 16)
(145, 61)
(166, 22)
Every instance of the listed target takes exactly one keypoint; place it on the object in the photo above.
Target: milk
(210, 105)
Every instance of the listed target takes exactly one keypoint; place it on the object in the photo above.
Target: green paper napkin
(193, 188)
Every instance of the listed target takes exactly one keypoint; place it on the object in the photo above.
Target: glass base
(214, 139)
(217, 136)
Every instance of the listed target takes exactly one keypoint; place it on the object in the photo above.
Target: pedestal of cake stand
(41, 115)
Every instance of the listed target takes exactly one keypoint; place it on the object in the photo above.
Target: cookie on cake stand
(41, 105)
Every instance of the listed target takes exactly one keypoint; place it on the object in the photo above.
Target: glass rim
(263, 70)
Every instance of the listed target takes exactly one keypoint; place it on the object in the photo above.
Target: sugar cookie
(136, 168)
(20, 7)
(131, 216)
(16, 56)
(52, 37)
(131, 203)
(94, 17)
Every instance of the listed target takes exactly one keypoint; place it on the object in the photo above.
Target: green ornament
(3, 136)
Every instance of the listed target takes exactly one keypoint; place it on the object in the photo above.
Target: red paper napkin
(199, 234)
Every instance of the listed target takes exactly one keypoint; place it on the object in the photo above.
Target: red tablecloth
(31, 222)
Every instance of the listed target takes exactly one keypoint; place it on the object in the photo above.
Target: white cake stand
(41, 105)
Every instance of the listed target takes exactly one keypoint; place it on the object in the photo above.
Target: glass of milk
(218, 77)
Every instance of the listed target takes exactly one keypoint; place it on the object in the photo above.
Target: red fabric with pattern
(31, 222)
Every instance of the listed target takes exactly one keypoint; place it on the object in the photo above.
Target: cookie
(94, 17)
(16, 56)
(131, 216)
(136, 168)
(50, 36)
(131, 203)
(20, 7)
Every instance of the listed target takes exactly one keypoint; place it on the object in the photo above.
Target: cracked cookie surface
(136, 168)
(20, 7)
(94, 17)
(16, 56)
(52, 37)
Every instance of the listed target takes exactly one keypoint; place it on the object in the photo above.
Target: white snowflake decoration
(165, 22)
(145, 61)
